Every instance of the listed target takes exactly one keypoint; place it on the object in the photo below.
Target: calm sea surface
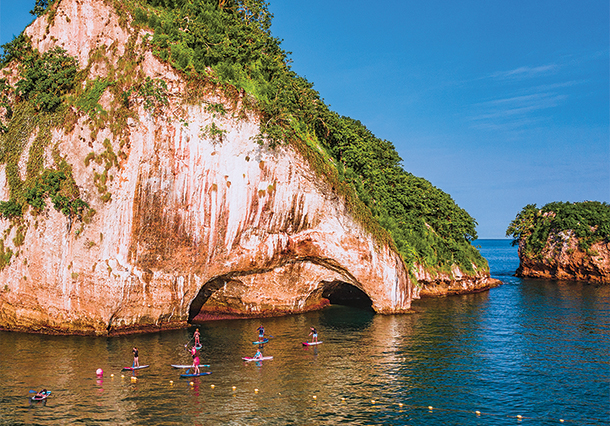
(531, 348)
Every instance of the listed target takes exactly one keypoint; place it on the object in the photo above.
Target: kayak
(135, 368)
(247, 358)
(205, 373)
(188, 366)
(41, 397)
(311, 343)
(260, 342)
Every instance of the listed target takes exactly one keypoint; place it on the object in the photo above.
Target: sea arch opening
(342, 293)
(335, 292)
(206, 291)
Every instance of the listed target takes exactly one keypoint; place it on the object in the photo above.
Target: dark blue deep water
(531, 348)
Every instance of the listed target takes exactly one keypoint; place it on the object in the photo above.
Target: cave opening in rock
(204, 294)
(342, 293)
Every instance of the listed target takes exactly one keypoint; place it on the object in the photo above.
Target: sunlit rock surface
(196, 228)
(563, 259)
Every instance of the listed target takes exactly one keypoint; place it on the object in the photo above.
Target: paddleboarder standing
(195, 360)
(136, 361)
(261, 333)
(196, 336)
(313, 334)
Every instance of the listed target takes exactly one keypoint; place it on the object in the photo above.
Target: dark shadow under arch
(204, 294)
(342, 293)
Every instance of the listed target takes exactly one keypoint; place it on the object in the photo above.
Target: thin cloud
(517, 106)
(525, 72)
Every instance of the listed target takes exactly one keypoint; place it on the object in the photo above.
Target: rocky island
(564, 241)
(161, 164)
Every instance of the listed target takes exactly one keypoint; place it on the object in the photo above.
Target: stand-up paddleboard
(260, 342)
(188, 366)
(42, 397)
(311, 343)
(247, 358)
(135, 368)
(199, 346)
(205, 373)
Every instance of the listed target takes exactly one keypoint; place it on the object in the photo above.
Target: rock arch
(226, 297)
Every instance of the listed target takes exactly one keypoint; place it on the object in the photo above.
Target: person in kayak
(136, 361)
(313, 334)
(261, 333)
(41, 394)
(196, 336)
(195, 360)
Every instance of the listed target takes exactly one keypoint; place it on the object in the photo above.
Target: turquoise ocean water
(531, 348)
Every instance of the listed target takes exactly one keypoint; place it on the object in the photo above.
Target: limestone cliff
(562, 258)
(192, 216)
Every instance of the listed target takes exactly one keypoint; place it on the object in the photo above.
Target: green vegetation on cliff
(589, 221)
(228, 44)
(232, 42)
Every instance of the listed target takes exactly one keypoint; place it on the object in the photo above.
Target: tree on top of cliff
(588, 221)
(40, 6)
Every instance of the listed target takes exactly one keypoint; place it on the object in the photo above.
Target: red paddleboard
(311, 343)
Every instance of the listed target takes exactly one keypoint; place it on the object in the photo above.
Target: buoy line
(429, 408)
(478, 413)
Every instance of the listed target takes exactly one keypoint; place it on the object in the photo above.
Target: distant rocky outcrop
(189, 216)
(564, 241)
(562, 258)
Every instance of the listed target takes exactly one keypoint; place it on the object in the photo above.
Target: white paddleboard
(135, 368)
(247, 358)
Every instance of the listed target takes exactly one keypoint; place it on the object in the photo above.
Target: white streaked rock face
(253, 231)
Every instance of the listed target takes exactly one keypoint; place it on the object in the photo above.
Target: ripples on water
(533, 348)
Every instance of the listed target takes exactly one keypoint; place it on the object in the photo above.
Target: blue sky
(498, 103)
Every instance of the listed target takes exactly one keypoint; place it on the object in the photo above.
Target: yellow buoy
(561, 420)
(430, 407)
(112, 375)
(171, 382)
(192, 383)
(315, 397)
(372, 401)
(255, 390)
(212, 386)
(342, 399)
(122, 376)
(400, 404)
(234, 387)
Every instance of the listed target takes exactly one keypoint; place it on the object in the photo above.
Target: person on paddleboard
(136, 361)
(313, 334)
(261, 333)
(258, 354)
(195, 360)
(41, 394)
(196, 336)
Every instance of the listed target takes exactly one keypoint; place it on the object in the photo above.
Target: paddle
(33, 391)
